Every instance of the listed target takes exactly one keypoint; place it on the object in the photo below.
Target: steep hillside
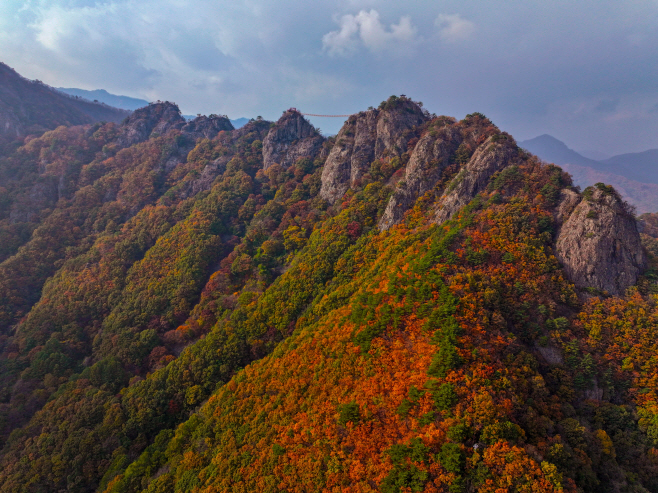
(31, 107)
(415, 305)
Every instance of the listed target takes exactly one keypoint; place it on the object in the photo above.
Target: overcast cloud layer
(585, 72)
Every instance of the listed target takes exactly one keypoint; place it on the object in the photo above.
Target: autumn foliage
(245, 336)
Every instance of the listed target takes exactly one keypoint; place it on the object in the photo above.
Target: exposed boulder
(10, 125)
(374, 134)
(291, 138)
(207, 126)
(154, 119)
(495, 154)
(599, 244)
(428, 161)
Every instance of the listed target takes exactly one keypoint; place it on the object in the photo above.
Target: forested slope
(208, 309)
(31, 107)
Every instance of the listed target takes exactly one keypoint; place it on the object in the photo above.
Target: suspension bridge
(313, 114)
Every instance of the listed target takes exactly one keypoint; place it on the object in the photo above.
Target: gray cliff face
(428, 161)
(152, 120)
(337, 170)
(392, 125)
(366, 136)
(43, 194)
(364, 143)
(207, 126)
(493, 155)
(10, 126)
(568, 202)
(291, 138)
(599, 244)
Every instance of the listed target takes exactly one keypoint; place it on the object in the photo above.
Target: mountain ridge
(193, 314)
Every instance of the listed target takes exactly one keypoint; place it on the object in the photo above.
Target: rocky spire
(207, 126)
(598, 243)
(374, 134)
(291, 138)
(154, 119)
(428, 161)
(496, 153)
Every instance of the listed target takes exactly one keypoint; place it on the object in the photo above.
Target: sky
(585, 72)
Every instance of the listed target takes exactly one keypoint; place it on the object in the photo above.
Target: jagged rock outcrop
(291, 138)
(366, 136)
(599, 244)
(428, 161)
(207, 126)
(495, 154)
(154, 119)
(205, 180)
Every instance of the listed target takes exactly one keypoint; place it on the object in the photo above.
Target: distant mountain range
(102, 96)
(634, 175)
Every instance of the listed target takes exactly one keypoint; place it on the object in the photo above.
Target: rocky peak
(154, 119)
(255, 129)
(496, 153)
(291, 138)
(381, 133)
(207, 126)
(431, 156)
(397, 115)
(598, 243)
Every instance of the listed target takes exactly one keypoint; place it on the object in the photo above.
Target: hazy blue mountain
(101, 95)
(594, 154)
(240, 122)
(641, 166)
(638, 166)
(555, 151)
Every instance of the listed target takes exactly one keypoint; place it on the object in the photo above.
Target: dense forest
(415, 304)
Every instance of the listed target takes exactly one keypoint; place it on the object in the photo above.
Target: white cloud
(366, 28)
(453, 28)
